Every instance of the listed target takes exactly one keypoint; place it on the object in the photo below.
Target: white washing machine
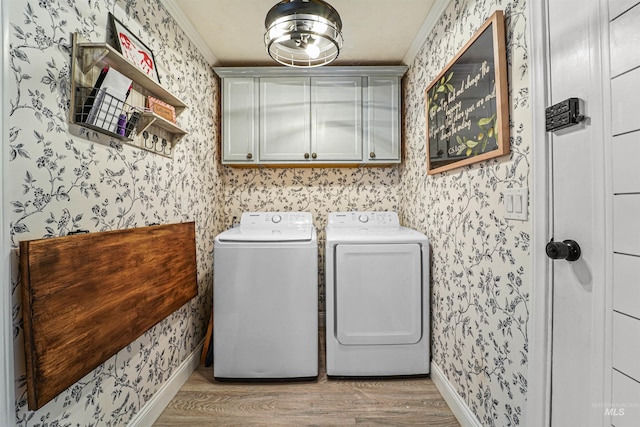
(377, 286)
(265, 298)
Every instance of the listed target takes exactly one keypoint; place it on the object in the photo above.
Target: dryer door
(378, 294)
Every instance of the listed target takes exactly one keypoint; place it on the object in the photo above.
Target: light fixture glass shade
(303, 33)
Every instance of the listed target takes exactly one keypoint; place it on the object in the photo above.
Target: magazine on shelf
(89, 101)
(108, 101)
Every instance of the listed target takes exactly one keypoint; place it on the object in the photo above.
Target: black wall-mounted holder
(564, 114)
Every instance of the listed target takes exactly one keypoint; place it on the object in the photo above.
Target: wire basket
(100, 111)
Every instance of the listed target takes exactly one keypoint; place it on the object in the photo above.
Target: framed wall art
(132, 48)
(467, 104)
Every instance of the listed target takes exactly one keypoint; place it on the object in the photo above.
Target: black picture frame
(132, 48)
(467, 104)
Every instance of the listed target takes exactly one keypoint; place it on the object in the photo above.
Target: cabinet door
(383, 119)
(239, 120)
(336, 118)
(284, 119)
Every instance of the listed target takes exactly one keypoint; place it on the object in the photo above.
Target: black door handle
(568, 249)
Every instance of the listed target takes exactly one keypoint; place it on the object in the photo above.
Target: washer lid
(264, 234)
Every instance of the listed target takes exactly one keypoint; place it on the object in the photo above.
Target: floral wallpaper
(481, 263)
(63, 183)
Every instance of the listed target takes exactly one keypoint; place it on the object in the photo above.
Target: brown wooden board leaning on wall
(87, 296)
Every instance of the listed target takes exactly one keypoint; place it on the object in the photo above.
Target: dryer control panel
(371, 219)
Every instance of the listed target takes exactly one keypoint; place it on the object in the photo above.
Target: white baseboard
(154, 407)
(460, 410)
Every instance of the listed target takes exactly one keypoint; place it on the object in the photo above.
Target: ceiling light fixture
(303, 33)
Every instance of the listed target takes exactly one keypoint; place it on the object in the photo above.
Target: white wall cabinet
(240, 119)
(336, 113)
(383, 118)
(284, 119)
(334, 116)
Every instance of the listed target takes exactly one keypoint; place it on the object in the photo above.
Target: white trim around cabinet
(369, 99)
(380, 70)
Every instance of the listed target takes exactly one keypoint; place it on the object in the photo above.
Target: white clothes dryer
(265, 298)
(377, 289)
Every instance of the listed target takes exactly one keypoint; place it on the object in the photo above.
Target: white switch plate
(516, 203)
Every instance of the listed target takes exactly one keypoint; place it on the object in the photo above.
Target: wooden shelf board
(163, 123)
(95, 53)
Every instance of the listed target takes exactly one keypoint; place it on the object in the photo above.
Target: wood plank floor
(202, 401)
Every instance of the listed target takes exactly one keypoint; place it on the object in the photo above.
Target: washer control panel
(371, 219)
(269, 219)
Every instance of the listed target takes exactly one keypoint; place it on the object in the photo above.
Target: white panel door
(285, 121)
(378, 294)
(578, 201)
(239, 119)
(336, 118)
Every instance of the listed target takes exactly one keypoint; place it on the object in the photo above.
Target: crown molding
(438, 8)
(380, 70)
(185, 23)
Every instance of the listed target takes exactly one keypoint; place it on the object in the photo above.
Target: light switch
(508, 198)
(516, 202)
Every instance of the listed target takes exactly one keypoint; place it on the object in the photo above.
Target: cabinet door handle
(306, 155)
(372, 155)
(314, 155)
(249, 156)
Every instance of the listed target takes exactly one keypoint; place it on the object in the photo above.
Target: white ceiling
(376, 32)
